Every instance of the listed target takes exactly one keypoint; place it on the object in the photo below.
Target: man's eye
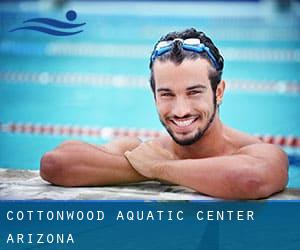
(194, 92)
(166, 94)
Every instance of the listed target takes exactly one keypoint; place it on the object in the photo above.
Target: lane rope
(109, 132)
(139, 51)
(121, 81)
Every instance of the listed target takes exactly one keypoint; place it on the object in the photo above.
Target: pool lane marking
(109, 132)
(121, 81)
(140, 51)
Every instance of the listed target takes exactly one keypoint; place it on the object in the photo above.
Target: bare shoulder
(239, 138)
(266, 151)
(253, 146)
(121, 145)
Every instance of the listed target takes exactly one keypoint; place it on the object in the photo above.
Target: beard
(197, 136)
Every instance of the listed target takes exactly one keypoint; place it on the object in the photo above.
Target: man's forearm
(229, 177)
(86, 165)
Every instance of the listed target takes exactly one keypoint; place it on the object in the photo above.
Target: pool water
(100, 76)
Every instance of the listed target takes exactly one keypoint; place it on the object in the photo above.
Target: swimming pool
(93, 85)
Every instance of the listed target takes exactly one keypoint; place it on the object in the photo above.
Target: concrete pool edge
(28, 185)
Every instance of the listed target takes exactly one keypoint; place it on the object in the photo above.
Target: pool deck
(27, 185)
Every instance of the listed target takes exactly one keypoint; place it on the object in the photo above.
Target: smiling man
(200, 152)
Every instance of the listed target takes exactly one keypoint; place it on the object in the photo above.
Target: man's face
(184, 98)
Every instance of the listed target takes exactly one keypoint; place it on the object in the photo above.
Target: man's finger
(127, 154)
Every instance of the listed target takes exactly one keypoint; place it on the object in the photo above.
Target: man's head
(186, 70)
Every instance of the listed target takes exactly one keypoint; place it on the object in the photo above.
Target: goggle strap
(200, 49)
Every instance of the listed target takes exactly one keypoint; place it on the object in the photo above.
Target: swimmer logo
(70, 15)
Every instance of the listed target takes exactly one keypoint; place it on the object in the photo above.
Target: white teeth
(184, 123)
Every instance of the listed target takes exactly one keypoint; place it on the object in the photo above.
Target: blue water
(132, 107)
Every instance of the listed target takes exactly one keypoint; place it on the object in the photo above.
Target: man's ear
(220, 92)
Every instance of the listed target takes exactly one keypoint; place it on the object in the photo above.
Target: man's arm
(256, 171)
(76, 163)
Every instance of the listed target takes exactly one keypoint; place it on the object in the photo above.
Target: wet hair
(177, 54)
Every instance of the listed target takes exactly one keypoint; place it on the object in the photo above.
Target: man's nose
(181, 107)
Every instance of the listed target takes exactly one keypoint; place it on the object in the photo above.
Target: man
(200, 151)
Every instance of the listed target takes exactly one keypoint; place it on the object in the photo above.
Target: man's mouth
(184, 123)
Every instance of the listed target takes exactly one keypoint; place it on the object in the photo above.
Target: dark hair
(177, 55)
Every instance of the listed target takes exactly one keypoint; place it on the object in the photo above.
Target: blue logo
(70, 15)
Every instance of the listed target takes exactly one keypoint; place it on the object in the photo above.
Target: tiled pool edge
(28, 185)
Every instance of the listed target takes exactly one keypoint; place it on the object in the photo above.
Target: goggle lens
(191, 44)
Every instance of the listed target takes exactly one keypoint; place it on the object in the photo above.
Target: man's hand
(145, 158)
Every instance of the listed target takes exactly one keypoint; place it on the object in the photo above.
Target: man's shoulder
(251, 145)
(241, 139)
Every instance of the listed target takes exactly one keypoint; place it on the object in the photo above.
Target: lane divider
(121, 81)
(108, 132)
(74, 130)
(140, 51)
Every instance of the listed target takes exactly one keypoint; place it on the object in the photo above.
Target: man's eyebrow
(164, 89)
(198, 86)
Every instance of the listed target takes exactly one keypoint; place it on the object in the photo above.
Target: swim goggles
(190, 44)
